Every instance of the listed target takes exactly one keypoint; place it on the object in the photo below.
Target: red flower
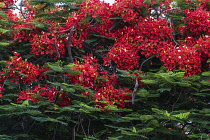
(88, 72)
(197, 22)
(16, 54)
(182, 58)
(111, 96)
(20, 71)
(45, 93)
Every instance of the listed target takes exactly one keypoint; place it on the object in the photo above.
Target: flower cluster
(1, 89)
(88, 72)
(111, 96)
(182, 58)
(203, 46)
(24, 32)
(39, 93)
(198, 21)
(148, 38)
(46, 44)
(106, 94)
(153, 35)
(19, 70)
(123, 55)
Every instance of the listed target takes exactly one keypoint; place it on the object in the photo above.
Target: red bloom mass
(111, 96)
(45, 93)
(20, 71)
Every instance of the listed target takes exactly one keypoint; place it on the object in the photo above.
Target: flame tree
(90, 70)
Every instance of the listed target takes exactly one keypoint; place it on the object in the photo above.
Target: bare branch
(135, 90)
(69, 43)
(56, 48)
(177, 44)
(21, 9)
(145, 61)
(137, 83)
(73, 133)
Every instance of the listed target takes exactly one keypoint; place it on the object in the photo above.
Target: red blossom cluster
(109, 95)
(1, 89)
(42, 42)
(47, 44)
(149, 37)
(24, 32)
(39, 93)
(197, 21)
(19, 70)
(153, 35)
(102, 83)
(124, 55)
(88, 72)
(182, 58)
(203, 46)
(103, 12)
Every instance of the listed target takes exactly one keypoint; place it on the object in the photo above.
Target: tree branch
(69, 43)
(73, 133)
(21, 9)
(56, 48)
(177, 44)
(135, 90)
(137, 83)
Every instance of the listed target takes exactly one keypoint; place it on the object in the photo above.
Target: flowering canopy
(128, 31)
(74, 52)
